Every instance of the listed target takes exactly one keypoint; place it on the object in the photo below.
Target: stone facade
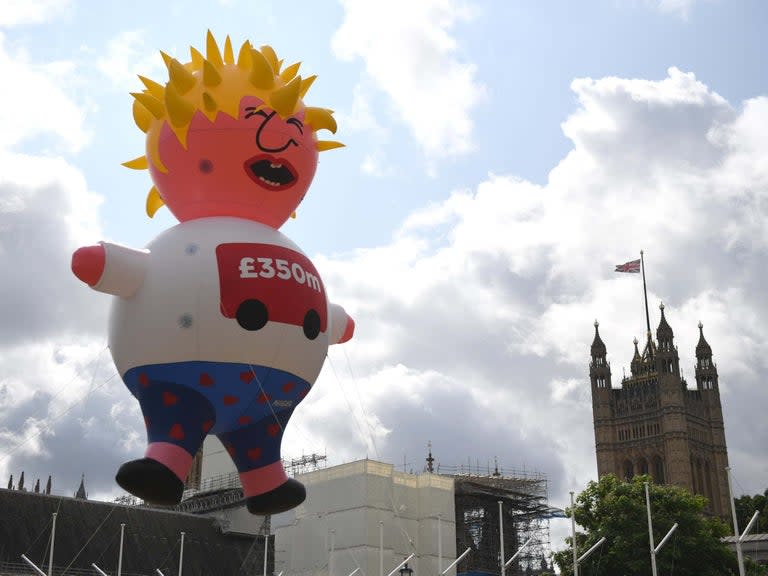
(654, 424)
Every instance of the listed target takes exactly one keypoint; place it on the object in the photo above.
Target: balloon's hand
(88, 263)
(343, 327)
(349, 330)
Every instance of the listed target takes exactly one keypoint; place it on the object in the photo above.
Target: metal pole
(519, 550)
(459, 559)
(120, 556)
(401, 565)
(381, 548)
(739, 553)
(266, 540)
(573, 537)
(749, 526)
(594, 547)
(645, 298)
(181, 554)
(330, 556)
(664, 540)
(650, 530)
(501, 540)
(99, 570)
(53, 539)
(32, 565)
(159, 573)
(439, 544)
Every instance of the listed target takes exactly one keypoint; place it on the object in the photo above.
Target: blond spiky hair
(216, 83)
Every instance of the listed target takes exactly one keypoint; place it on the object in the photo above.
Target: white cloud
(17, 12)
(127, 56)
(682, 8)
(361, 118)
(673, 125)
(373, 165)
(37, 103)
(415, 61)
(52, 326)
(56, 375)
(474, 323)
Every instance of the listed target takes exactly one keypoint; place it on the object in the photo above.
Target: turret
(706, 371)
(667, 360)
(664, 334)
(636, 365)
(81, 494)
(602, 408)
(599, 369)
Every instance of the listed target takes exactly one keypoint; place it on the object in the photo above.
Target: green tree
(745, 509)
(616, 510)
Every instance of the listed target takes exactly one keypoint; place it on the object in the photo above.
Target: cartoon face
(258, 166)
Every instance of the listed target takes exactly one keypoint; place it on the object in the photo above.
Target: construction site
(364, 515)
(502, 506)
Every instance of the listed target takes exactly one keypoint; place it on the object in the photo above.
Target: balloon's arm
(342, 325)
(111, 268)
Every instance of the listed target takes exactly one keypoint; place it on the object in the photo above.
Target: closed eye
(253, 111)
(296, 122)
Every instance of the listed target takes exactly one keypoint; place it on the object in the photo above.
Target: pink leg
(173, 457)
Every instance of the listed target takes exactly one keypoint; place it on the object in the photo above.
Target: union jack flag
(633, 267)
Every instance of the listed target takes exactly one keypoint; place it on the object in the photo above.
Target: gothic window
(658, 470)
(708, 477)
(693, 477)
(642, 466)
(629, 470)
(700, 476)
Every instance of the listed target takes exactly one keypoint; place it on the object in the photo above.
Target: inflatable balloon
(221, 324)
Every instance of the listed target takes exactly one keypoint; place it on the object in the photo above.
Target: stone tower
(653, 424)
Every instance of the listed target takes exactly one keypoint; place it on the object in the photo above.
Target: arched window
(658, 470)
(694, 480)
(642, 466)
(629, 470)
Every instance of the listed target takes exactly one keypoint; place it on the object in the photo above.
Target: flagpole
(645, 297)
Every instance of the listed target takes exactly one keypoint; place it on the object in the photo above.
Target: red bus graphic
(262, 283)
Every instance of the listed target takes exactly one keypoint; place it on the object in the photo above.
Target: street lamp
(405, 571)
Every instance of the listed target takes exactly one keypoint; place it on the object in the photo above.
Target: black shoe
(286, 496)
(151, 481)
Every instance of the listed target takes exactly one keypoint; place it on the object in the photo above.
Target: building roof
(89, 531)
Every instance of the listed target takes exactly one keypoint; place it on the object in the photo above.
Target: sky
(501, 158)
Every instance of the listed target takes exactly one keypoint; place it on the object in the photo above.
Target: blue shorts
(246, 406)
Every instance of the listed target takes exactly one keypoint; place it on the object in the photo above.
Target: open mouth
(270, 172)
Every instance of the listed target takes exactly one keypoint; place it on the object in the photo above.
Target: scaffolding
(525, 514)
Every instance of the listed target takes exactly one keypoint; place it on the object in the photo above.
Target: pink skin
(264, 479)
(178, 460)
(88, 263)
(214, 175)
